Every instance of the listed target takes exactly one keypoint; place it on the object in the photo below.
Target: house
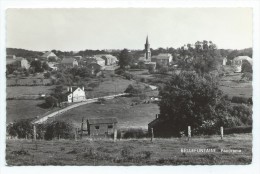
(49, 56)
(53, 65)
(224, 61)
(100, 61)
(75, 94)
(69, 62)
(109, 59)
(164, 59)
(238, 61)
(95, 68)
(20, 62)
(101, 126)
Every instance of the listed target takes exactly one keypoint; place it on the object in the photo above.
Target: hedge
(239, 129)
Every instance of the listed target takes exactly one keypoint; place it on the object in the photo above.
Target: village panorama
(185, 105)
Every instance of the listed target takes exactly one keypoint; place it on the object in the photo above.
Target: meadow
(21, 109)
(104, 152)
(136, 116)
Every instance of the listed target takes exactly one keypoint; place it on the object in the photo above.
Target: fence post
(221, 132)
(152, 136)
(34, 132)
(115, 134)
(82, 127)
(76, 134)
(189, 133)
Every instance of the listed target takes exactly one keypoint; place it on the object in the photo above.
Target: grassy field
(20, 109)
(128, 116)
(15, 91)
(232, 85)
(109, 86)
(131, 152)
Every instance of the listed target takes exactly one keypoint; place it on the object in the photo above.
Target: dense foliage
(192, 100)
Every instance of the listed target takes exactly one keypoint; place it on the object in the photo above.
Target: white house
(238, 61)
(100, 61)
(76, 94)
(224, 61)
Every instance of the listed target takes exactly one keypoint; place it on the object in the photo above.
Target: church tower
(147, 53)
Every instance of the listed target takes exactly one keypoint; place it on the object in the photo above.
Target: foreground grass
(130, 152)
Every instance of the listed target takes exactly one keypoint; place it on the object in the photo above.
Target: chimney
(68, 88)
(83, 88)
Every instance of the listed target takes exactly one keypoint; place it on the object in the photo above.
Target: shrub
(58, 129)
(240, 129)
(22, 128)
(237, 99)
(135, 133)
(51, 101)
(243, 113)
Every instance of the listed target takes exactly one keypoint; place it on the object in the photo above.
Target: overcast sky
(79, 29)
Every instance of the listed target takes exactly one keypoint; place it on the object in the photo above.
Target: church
(147, 59)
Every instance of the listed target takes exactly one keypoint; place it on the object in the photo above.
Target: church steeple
(147, 42)
(147, 50)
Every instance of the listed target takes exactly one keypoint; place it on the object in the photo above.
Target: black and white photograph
(129, 86)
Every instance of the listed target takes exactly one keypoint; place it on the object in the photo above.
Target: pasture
(136, 116)
(104, 152)
(21, 109)
(16, 91)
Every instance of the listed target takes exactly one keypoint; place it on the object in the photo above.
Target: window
(97, 127)
(110, 126)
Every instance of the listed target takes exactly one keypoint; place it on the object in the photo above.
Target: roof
(162, 56)
(102, 120)
(249, 59)
(48, 54)
(68, 60)
(98, 59)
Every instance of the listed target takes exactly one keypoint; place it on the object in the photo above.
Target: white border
(253, 168)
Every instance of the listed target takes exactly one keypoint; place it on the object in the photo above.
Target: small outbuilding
(101, 126)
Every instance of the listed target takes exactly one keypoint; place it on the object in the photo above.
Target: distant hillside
(23, 53)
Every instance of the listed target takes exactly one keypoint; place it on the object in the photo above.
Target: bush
(240, 129)
(58, 129)
(135, 133)
(22, 128)
(51, 101)
(243, 113)
(128, 76)
(240, 100)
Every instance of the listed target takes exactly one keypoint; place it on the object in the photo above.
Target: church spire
(147, 42)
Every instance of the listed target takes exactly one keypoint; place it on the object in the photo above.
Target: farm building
(101, 126)
(238, 61)
(69, 62)
(109, 59)
(75, 94)
(163, 59)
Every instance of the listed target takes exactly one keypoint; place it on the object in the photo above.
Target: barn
(101, 126)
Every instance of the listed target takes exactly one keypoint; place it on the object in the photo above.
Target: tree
(246, 67)
(51, 101)
(202, 58)
(125, 59)
(189, 99)
(45, 66)
(37, 65)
